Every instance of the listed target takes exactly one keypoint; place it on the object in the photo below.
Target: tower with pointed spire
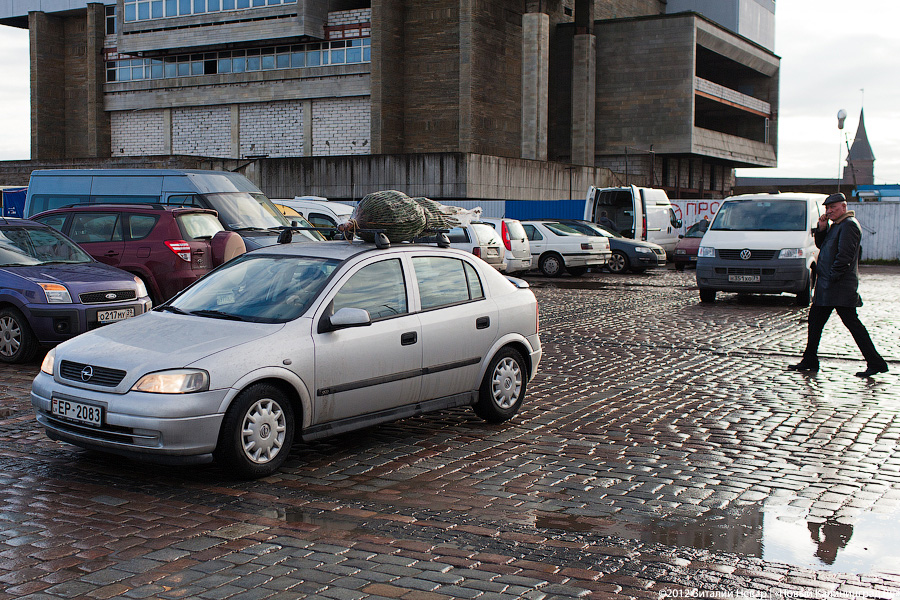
(861, 161)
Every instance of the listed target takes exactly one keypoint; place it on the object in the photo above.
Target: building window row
(316, 54)
(142, 10)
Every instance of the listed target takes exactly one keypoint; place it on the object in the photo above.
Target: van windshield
(761, 215)
(240, 211)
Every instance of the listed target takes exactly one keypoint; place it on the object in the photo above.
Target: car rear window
(199, 225)
(516, 231)
(487, 234)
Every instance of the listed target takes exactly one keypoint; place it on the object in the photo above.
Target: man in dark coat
(837, 283)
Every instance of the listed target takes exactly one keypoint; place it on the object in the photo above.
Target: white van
(761, 244)
(319, 211)
(635, 212)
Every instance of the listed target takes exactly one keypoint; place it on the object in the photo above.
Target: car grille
(754, 254)
(99, 375)
(104, 297)
(660, 251)
(743, 271)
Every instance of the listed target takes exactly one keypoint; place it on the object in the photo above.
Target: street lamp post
(841, 116)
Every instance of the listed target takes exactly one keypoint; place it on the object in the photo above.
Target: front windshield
(761, 215)
(243, 210)
(697, 230)
(257, 288)
(38, 246)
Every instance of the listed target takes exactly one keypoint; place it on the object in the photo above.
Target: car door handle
(111, 253)
(409, 338)
(482, 322)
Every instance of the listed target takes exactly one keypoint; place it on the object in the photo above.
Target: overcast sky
(831, 50)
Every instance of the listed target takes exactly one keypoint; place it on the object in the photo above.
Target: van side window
(124, 199)
(42, 202)
(188, 200)
(96, 227)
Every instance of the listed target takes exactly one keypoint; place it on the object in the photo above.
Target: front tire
(707, 296)
(551, 265)
(805, 296)
(18, 343)
(503, 387)
(257, 432)
(618, 262)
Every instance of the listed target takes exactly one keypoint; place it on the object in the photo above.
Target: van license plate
(77, 411)
(743, 278)
(110, 316)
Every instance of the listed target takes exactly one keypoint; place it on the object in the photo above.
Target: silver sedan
(300, 340)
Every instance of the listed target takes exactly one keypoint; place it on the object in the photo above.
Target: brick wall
(274, 129)
(349, 17)
(341, 126)
(138, 133)
(618, 9)
(202, 131)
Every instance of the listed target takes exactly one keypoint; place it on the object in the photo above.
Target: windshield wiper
(248, 229)
(171, 308)
(217, 314)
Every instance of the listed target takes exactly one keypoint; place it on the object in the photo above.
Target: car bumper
(762, 277)
(182, 438)
(514, 265)
(55, 324)
(648, 261)
(597, 259)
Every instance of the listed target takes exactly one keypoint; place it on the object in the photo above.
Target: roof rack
(381, 239)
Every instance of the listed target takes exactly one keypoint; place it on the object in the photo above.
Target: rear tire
(551, 265)
(503, 387)
(18, 343)
(257, 432)
(707, 296)
(576, 271)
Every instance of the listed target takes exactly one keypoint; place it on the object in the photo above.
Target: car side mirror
(680, 237)
(347, 317)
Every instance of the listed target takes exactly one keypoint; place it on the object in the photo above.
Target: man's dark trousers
(818, 316)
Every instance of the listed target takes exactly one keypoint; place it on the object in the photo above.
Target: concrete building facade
(579, 92)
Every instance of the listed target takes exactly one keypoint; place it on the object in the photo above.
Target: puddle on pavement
(865, 543)
(320, 519)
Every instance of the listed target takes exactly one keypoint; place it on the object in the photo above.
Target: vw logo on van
(745, 254)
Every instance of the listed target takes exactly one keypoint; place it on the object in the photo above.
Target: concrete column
(584, 93)
(307, 128)
(48, 98)
(167, 131)
(235, 131)
(535, 88)
(98, 130)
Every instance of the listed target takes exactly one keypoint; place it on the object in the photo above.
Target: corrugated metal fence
(880, 223)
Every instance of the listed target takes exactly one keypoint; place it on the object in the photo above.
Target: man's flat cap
(839, 197)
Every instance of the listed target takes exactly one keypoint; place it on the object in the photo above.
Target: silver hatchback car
(300, 340)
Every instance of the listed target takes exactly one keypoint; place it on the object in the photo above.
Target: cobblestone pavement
(663, 451)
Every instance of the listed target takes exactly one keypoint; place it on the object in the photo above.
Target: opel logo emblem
(110, 296)
(87, 373)
(745, 255)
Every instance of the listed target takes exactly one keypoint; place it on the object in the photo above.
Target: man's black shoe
(804, 366)
(872, 371)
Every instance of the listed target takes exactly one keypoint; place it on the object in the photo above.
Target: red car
(167, 247)
(686, 248)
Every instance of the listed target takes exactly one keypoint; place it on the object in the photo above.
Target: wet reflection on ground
(863, 544)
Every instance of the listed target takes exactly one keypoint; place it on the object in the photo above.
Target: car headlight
(643, 250)
(791, 253)
(178, 381)
(56, 293)
(47, 365)
(706, 252)
(141, 288)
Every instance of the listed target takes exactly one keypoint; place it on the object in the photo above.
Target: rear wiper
(216, 314)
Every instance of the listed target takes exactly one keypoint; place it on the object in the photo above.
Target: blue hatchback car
(52, 290)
